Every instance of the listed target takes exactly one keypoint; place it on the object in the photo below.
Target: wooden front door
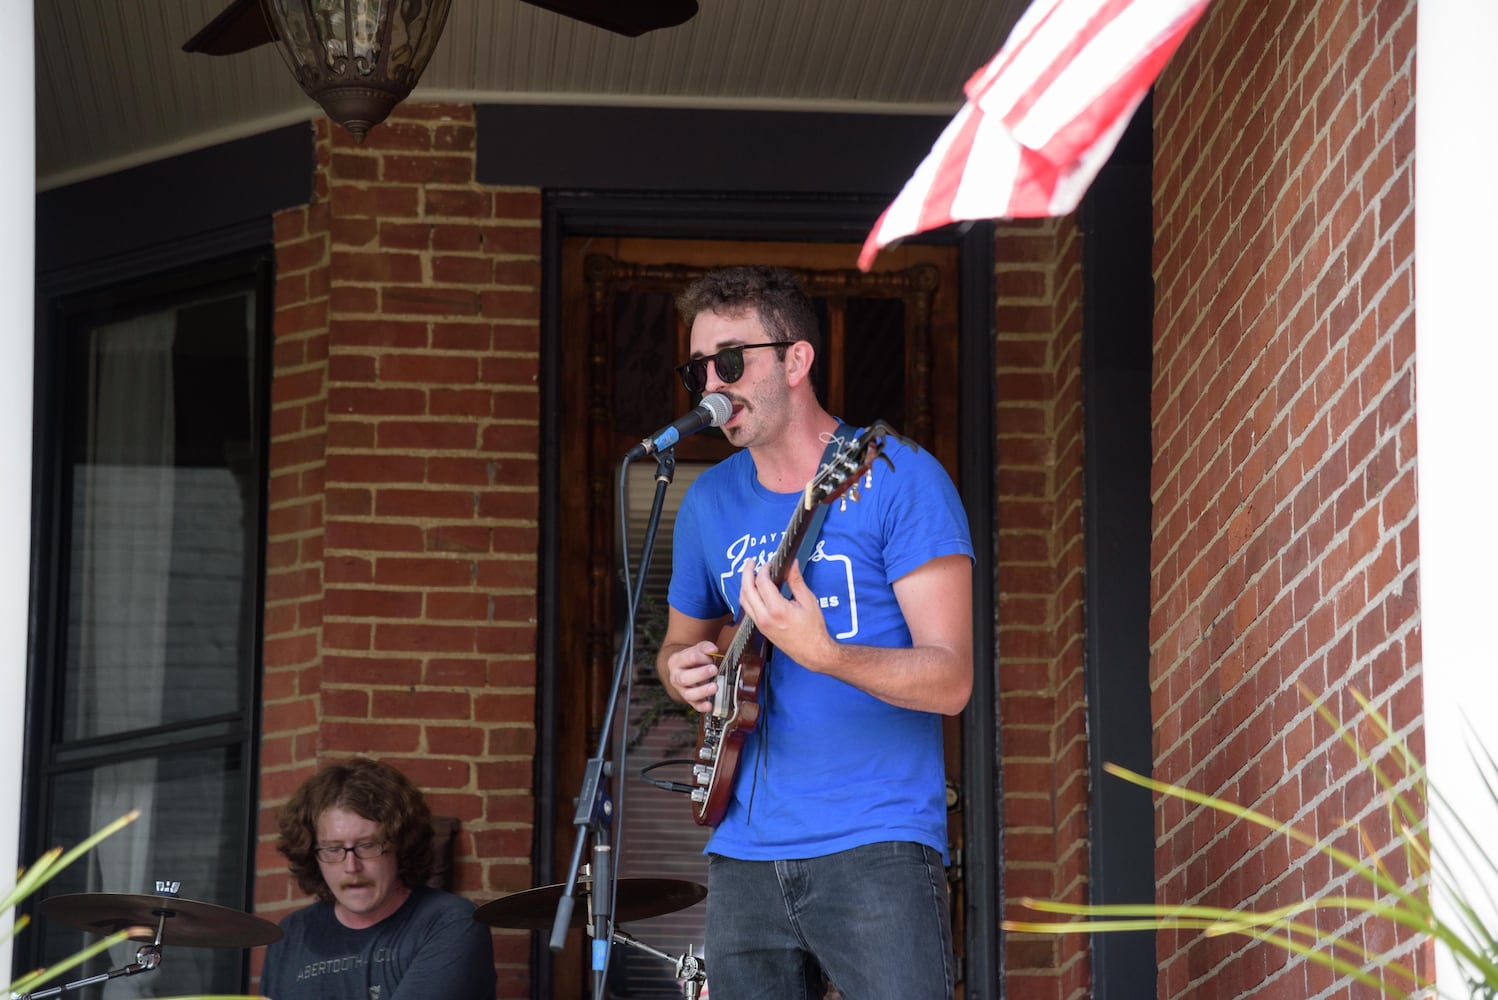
(890, 352)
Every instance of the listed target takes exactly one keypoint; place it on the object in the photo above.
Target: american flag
(1042, 117)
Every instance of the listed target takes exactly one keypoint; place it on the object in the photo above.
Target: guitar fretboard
(778, 565)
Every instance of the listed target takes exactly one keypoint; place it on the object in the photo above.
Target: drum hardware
(147, 957)
(635, 899)
(154, 920)
(690, 969)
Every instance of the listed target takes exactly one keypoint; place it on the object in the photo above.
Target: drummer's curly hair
(374, 790)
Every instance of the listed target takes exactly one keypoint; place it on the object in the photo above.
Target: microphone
(713, 411)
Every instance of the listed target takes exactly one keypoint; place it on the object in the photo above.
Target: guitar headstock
(853, 460)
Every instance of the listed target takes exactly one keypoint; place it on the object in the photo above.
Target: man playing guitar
(829, 856)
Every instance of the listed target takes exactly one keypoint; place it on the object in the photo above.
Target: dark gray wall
(169, 206)
(690, 150)
(1117, 338)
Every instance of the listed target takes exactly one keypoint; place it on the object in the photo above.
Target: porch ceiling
(114, 88)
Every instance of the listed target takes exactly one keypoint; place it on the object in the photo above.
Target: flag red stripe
(1120, 98)
(936, 206)
(1042, 116)
(1034, 187)
(1061, 64)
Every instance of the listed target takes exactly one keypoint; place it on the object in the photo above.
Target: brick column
(401, 618)
(1042, 692)
(1284, 558)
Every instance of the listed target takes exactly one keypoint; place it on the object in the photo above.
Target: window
(152, 423)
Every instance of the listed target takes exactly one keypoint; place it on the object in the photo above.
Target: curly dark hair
(372, 789)
(774, 293)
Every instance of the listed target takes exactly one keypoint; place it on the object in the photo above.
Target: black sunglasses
(729, 363)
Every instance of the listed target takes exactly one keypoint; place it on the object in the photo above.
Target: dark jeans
(874, 917)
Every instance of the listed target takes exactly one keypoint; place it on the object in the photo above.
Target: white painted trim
(17, 270)
(1456, 359)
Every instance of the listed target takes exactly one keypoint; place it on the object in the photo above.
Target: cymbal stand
(689, 968)
(147, 958)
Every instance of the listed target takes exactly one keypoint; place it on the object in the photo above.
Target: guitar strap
(803, 557)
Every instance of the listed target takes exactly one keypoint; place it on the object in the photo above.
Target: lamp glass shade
(358, 58)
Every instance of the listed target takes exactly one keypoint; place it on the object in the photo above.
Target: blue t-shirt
(828, 767)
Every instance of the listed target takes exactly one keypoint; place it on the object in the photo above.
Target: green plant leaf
(30, 880)
(1412, 807)
(29, 982)
(54, 861)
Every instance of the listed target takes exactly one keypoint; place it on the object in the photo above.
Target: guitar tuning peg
(853, 493)
(868, 479)
(843, 503)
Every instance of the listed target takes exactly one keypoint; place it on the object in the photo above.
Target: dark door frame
(1117, 342)
(811, 219)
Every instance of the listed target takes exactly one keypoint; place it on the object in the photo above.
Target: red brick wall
(400, 603)
(1284, 548)
(403, 526)
(1042, 696)
(400, 609)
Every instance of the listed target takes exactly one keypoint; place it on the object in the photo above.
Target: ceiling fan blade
(624, 17)
(241, 26)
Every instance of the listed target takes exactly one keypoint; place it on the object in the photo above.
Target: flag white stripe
(993, 165)
(1104, 62)
(1035, 46)
(904, 215)
(1075, 182)
(1042, 116)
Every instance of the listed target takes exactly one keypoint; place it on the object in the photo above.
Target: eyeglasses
(729, 364)
(364, 852)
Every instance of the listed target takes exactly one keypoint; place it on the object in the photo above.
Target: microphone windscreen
(718, 408)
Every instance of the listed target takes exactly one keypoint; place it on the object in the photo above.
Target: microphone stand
(594, 808)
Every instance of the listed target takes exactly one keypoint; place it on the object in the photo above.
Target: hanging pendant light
(358, 58)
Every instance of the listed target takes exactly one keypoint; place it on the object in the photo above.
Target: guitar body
(736, 706)
(720, 741)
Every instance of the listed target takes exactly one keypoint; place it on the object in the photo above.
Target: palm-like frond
(1412, 806)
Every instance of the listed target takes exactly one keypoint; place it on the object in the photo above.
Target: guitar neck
(778, 566)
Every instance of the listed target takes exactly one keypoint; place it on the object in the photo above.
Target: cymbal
(188, 922)
(638, 898)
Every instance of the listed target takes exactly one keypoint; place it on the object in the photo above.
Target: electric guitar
(736, 706)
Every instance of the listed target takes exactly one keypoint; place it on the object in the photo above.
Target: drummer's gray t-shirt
(431, 947)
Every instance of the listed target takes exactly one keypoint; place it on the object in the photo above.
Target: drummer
(358, 836)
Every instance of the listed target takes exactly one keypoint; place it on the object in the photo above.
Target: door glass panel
(158, 611)
(874, 362)
(154, 607)
(156, 598)
(644, 358)
(190, 831)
